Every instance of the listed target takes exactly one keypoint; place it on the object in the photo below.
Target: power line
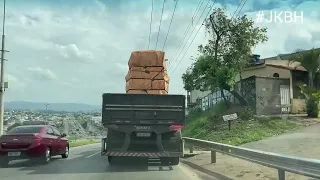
(182, 91)
(174, 10)
(236, 9)
(188, 28)
(196, 33)
(164, 1)
(245, 1)
(201, 26)
(150, 23)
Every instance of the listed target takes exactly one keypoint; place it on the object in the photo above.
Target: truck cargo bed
(143, 109)
(143, 125)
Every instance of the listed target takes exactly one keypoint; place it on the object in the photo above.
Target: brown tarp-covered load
(147, 58)
(147, 84)
(160, 85)
(147, 92)
(137, 84)
(148, 69)
(147, 73)
(160, 75)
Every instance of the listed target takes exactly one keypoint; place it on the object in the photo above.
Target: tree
(225, 55)
(312, 99)
(310, 60)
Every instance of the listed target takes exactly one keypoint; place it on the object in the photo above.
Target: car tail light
(37, 138)
(176, 127)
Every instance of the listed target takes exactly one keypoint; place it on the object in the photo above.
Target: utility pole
(2, 88)
(66, 126)
(47, 106)
(47, 112)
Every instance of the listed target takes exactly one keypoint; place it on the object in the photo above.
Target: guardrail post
(213, 157)
(281, 174)
(191, 148)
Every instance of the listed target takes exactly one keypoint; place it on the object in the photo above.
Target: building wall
(268, 99)
(298, 106)
(267, 71)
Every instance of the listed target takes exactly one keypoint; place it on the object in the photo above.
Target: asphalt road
(86, 163)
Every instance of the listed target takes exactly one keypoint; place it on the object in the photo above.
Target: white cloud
(72, 52)
(41, 74)
(88, 45)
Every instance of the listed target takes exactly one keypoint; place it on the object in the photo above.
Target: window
(56, 132)
(50, 131)
(276, 75)
(21, 129)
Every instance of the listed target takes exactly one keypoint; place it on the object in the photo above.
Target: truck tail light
(176, 127)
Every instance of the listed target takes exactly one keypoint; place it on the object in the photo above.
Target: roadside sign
(230, 117)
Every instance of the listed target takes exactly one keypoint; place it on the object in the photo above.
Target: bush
(247, 114)
(312, 107)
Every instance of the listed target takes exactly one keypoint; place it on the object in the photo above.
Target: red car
(35, 142)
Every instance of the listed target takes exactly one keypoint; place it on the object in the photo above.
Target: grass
(83, 142)
(210, 126)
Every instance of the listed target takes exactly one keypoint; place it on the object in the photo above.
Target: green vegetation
(310, 60)
(226, 54)
(312, 96)
(83, 142)
(209, 125)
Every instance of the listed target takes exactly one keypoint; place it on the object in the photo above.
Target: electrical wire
(196, 32)
(174, 10)
(200, 28)
(236, 9)
(164, 1)
(245, 1)
(150, 23)
(187, 30)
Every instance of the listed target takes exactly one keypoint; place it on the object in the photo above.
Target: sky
(73, 51)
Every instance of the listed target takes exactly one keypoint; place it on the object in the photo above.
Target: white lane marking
(92, 155)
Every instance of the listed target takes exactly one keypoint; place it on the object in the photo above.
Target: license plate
(14, 153)
(143, 134)
(143, 128)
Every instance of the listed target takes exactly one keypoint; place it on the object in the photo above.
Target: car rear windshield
(19, 130)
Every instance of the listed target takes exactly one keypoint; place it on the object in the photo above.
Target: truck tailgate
(143, 109)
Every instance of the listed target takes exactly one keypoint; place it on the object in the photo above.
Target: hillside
(209, 125)
(70, 107)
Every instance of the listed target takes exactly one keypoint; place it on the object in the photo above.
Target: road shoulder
(300, 143)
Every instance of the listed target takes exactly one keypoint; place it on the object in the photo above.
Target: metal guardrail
(303, 166)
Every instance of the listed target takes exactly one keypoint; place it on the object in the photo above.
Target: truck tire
(4, 163)
(175, 161)
(170, 161)
(111, 160)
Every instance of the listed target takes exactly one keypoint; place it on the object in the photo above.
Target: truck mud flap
(144, 154)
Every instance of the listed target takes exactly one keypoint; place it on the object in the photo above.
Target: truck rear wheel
(4, 162)
(111, 160)
(175, 161)
(170, 161)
